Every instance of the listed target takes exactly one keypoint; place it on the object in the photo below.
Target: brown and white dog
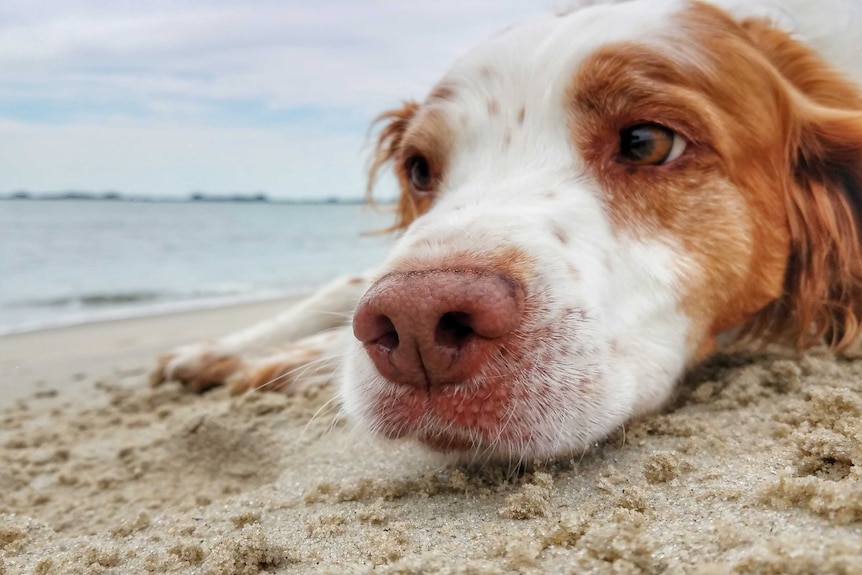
(591, 202)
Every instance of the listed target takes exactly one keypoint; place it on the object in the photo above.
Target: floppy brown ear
(389, 138)
(822, 297)
(824, 278)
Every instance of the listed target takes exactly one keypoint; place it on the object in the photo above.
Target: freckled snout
(438, 327)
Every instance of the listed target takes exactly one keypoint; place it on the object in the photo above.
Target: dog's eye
(419, 174)
(650, 145)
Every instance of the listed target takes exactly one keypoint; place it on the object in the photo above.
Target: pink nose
(437, 327)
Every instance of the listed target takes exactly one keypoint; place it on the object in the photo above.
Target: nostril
(453, 329)
(387, 335)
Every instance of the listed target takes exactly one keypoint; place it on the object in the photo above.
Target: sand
(756, 467)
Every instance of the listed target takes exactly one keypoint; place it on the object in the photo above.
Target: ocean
(66, 262)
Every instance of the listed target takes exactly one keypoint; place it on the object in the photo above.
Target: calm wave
(67, 262)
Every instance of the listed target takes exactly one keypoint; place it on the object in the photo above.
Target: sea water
(64, 262)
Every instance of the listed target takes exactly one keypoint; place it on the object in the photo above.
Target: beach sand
(756, 467)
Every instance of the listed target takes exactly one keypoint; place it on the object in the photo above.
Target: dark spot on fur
(493, 107)
(441, 92)
(561, 235)
(576, 313)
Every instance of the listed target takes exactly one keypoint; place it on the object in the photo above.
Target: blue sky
(168, 96)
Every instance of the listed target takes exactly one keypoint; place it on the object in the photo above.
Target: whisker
(343, 315)
(326, 405)
(302, 370)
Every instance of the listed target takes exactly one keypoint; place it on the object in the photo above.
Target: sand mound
(755, 468)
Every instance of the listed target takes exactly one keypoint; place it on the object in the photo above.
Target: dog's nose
(438, 327)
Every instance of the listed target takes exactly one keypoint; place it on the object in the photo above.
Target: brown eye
(650, 145)
(419, 174)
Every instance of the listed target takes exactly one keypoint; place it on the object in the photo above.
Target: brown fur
(278, 374)
(822, 296)
(772, 131)
(716, 201)
(210, 371)
(386, 150)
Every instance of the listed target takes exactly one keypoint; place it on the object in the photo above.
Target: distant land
(196, 196)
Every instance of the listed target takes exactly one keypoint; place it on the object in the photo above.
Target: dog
(591, 203)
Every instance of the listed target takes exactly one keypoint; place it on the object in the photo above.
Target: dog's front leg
(287, 339)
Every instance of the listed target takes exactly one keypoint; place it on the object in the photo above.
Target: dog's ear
(822, 297)
(388, 143)
(824, 278)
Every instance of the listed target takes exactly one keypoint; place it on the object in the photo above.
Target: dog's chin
(507, 432)
(463, 448)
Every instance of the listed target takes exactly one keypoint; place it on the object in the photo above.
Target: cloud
(189, 94)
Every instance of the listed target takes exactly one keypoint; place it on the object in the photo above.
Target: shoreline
(120, 314)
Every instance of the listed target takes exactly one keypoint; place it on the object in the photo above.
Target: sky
(166, 97)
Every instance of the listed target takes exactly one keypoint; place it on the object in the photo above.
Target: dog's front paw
(292, 370)
(198, 367)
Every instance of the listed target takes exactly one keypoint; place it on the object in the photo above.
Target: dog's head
(588, 201)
